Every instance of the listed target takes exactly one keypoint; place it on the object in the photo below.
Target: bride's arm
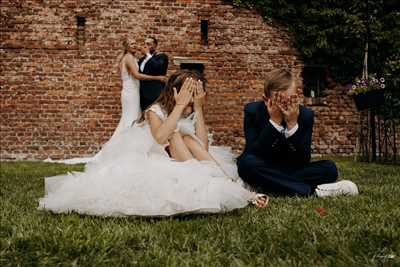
(201, 129)
(199, 99)
(134, 70)
(162, 131)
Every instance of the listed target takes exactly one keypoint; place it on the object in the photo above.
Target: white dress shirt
(279, 128)
(148, 56)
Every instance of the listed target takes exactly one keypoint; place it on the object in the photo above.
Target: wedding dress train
(135, 176)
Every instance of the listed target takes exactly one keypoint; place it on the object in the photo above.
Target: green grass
(355, 231)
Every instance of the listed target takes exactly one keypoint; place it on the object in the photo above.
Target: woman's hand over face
(199, 97)
(185, 95)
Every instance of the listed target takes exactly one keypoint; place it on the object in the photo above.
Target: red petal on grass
(321, 211)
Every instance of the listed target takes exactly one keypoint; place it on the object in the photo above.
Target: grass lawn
(345, 231)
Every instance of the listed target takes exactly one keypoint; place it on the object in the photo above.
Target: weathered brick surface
(60, 91)
(336, 124)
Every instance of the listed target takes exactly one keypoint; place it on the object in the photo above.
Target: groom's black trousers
(272, 178)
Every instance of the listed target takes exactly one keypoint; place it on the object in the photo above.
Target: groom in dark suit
(153, 63)
(278, 133)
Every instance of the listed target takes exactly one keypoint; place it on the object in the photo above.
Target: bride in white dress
(160, 166)
(130, 99)
(130, 76)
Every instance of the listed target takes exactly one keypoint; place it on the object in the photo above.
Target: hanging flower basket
(368, 93)
(369, 99)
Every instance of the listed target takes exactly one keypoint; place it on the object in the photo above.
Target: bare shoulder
(129, 56)
(156, 110)
(152, 116)
(130, 61)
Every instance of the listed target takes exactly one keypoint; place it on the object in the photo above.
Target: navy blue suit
(150, 90)
(272, 163)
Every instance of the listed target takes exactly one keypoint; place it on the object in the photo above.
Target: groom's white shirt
(148, 56)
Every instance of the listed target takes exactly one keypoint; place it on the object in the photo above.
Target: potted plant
(368, 92)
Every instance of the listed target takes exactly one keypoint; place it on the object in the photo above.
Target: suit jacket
(266, 142)
(157, 65)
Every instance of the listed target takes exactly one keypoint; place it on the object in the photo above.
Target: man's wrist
(291, 124)
(291, 131)
(278, 127)
(277, 121)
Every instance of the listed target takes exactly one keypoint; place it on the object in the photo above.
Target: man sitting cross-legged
(278, 133)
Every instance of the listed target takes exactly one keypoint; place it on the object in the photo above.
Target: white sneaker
(344, 187)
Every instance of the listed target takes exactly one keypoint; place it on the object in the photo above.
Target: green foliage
(334, 32)
(391, 109)
(354, 231)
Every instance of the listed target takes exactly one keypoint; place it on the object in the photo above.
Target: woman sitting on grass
(160, 166)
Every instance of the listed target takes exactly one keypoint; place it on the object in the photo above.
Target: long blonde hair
(176, 80)
(126, 44)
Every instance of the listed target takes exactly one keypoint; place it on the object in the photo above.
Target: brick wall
(60, 91)
(336, 123)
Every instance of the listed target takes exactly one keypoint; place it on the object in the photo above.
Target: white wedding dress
(130, 106)
(130, 101)
(135, 176)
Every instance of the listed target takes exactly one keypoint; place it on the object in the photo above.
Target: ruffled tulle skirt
(134, 176)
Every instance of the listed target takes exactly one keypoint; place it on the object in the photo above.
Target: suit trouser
(270, 178)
